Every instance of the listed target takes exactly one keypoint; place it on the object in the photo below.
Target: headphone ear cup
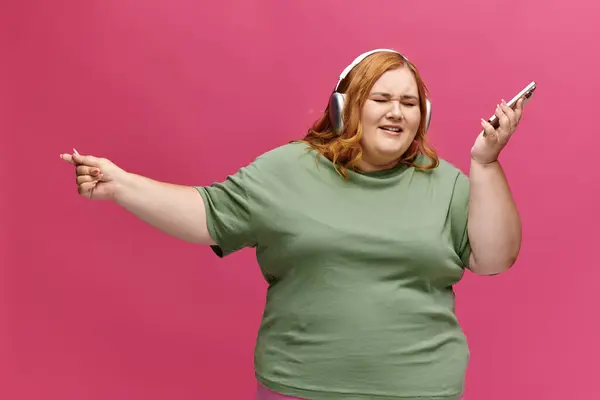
(336, 112)
(427, 114)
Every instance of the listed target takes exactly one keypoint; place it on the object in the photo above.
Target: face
(390, 119)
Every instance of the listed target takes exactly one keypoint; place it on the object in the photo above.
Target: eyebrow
(406, 96)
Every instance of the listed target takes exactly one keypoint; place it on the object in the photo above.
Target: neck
(370, 166)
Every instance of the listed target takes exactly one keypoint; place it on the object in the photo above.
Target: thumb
(86, 160)
(489, 133)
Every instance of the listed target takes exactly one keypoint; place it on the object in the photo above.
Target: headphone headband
(358, 59)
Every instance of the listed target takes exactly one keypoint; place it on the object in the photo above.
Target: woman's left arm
(494, 225)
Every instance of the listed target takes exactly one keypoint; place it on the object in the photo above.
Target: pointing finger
(503, 120)
(519, 108)
(509, 112)
(85, 170)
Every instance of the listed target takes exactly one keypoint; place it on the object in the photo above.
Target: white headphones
(337, 100)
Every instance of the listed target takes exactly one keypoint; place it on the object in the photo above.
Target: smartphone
(525, 93)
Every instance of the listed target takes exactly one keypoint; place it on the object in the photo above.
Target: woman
(361, 232)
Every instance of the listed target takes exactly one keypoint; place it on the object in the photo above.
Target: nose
(396, 110)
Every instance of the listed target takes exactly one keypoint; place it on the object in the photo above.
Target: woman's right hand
(97, 178)
(176, 210)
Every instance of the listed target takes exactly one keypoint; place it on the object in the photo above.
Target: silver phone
(525, 93)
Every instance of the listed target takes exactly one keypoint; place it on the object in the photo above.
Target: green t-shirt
(360, 303)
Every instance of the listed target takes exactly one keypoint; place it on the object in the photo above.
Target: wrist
(123, 186)
(483, 164)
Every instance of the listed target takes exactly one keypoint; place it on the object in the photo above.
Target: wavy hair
(345, 150)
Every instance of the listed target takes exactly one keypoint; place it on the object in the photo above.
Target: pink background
(97, 305)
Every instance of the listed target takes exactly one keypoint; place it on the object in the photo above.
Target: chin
(390, 151)
(386, 149)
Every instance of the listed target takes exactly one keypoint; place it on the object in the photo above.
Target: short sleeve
(228, 212)
(459, 213)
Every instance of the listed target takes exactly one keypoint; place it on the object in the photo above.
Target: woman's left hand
(491, 141)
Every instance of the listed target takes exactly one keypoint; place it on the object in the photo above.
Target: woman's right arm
(173, 209)
(176, 210)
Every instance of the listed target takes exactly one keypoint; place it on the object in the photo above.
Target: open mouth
(391, 129)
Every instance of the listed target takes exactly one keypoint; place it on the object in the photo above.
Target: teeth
(392, 129)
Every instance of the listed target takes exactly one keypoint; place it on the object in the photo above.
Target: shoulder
(460, 180)
(284, 159)
(283, 154)
(457, 180)
(445, 171)
(446, 168)
(279, 163)
(450, 179)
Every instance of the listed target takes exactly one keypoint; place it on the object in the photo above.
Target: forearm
(494, 225)
(173, 209)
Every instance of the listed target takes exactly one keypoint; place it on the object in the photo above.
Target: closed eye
(386, 100)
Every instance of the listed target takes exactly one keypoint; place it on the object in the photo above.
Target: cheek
(369, 116)
(369, 135)
(415, 117)
(369, 127)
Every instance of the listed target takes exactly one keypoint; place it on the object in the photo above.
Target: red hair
(345, 150)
